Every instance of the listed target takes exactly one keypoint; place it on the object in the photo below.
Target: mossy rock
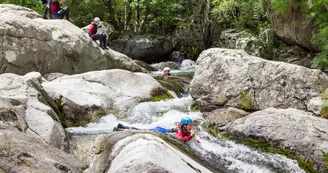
(158, 95)
(176, 84)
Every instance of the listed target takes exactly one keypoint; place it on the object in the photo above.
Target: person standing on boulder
(96, 36)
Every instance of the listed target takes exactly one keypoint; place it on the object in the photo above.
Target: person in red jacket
(55, 10)
(96, 36)
(184, 133)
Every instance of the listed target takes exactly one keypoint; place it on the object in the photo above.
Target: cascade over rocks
(26, 106)
(296, 130)
(101, 92)
(236, 79)
(292, 27)
(147, 48)
(30, 43)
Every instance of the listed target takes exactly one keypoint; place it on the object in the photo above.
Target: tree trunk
(207, 23)
(145, 19)
(109, 5)
(197, 25)
(129, 17)
(137, 17)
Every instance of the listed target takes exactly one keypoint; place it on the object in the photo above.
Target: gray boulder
(130, 152)
(101, 92)
(23, 100)
(296, 130)
(20, 152)
(30, 43)
(236, 79)
(221, 117)
(293, 26)
(147, 48)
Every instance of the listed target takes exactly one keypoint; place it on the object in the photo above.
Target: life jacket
(93, 29)
(55, 7)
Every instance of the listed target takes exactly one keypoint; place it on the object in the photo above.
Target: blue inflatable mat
(160, 129)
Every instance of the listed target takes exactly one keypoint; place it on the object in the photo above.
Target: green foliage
(324, 111)
(220, 99)
(246, 101)
(83, 12)
(317, 12)
(195, 109)
(325, 159)
(281, 6)
(247, 15)
(163, 96)
(36, 5)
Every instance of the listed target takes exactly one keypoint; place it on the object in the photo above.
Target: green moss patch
(246, 101)
(158, 95)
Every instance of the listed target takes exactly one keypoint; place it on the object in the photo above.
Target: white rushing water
(218, 152)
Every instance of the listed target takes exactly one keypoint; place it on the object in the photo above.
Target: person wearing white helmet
(166, 72)
(96, 36)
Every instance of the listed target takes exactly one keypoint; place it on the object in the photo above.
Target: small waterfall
(221, 154)
(217, 152)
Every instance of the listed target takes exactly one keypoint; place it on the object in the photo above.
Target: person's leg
(173, 130)
(105, 40)
(45, 12)
(64, 12)
(121, 126)
(100, 38)
(49, 9)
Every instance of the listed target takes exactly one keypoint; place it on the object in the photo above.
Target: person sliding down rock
(183, 132)
(95, 36)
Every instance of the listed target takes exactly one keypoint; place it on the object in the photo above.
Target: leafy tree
(244, 14)
(36, 5)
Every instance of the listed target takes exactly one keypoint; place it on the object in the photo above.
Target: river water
(221, 154)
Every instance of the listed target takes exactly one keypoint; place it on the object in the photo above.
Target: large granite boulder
(147, 48)
(20, 152)
(26, 106)
(30, 43)
(293, 26)
(234, 78)
(101, 92)
(293, 129)
(130, 152)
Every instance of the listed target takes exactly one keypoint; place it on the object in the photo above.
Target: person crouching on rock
(55, 10)
(95, 36)
(183, 132)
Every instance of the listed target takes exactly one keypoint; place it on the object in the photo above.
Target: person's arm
(180, 136)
